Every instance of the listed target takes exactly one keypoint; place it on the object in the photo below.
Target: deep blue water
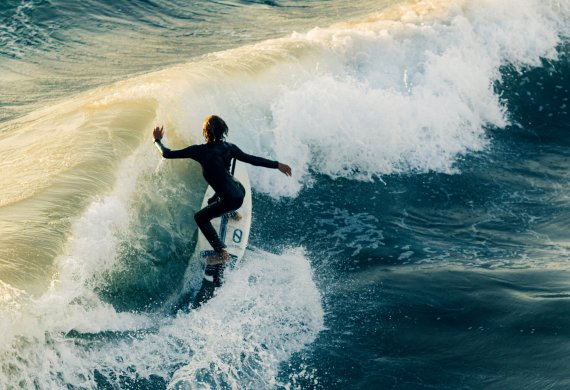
(445, 281)
(421, 244)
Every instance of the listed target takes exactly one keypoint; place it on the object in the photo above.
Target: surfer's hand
(284, 168)
(158, 133)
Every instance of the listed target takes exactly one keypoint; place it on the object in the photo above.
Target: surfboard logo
(237, 236)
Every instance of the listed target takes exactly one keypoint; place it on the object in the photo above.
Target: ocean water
(422, 243)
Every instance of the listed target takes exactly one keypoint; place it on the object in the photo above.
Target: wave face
(424, 135)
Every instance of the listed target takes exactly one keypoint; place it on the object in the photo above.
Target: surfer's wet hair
(215, 129)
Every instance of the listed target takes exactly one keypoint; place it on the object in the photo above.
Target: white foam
(267, 310)
(411, 94)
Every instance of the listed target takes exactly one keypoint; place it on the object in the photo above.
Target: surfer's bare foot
(236, 216)
(219, 258)
(224, 255)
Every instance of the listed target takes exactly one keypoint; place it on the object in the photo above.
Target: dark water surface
(443, 281)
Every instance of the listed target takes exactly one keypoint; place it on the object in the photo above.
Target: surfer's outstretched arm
(260, 161)
(158, 133)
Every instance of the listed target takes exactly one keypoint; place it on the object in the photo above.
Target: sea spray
(268, 309)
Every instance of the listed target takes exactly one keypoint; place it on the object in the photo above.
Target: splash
(268, 309)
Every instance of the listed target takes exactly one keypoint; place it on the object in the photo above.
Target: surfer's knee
(200, 217)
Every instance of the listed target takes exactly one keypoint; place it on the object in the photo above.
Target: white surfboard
(233, 233)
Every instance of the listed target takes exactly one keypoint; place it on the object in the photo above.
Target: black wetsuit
(215, 159)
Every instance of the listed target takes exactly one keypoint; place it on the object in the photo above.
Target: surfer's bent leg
(213, 210)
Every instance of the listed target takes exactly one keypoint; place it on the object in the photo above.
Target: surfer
(215, 157)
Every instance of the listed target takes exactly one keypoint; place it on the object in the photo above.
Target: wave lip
(410, 94)
(402, 92)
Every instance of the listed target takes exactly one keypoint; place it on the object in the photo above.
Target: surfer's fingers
(158, 132)
(286, 169)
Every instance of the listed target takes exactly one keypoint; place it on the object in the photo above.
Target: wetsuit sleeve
(189, 152)
(253, 160)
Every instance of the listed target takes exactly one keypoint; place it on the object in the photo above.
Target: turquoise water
(421, 243)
